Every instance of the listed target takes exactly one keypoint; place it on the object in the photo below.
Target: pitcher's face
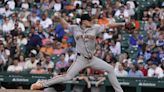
(86, 23)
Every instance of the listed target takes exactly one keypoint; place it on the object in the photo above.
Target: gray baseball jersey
(85, 38)
(85, 45)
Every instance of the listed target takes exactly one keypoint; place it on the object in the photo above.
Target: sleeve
(160, 72)
(72, 28)
(9, 69)
(99, 28)
(117, 13)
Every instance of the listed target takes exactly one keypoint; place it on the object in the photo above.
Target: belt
(79, 54)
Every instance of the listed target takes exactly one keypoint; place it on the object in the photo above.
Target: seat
(55, 58)
(133, 52)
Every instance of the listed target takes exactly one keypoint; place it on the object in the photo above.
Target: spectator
(124, 60)
(64, 43)
(120, 72)
(142, 68)
(4, 54)
(122, 13)
(21, 61)
(48, 49)
(70, 56)
(150, 26)
(38, 69)
(155, 58)
(58, 50)
(31, 63)
(147, 53)
(103, 20)
(8, 25)
(155, 70)
(45, 22)
(110, 59)
(135, 40)
(134, 71)
(160, 40)
(151, 12)
(46, 5)
(96, 75)
(37, 9)
(140, 59)
(11, 4)
(24, 17)
(34, 17)
(115, 48)
(108, 34)
(19, 25)
(22, 40)
(160, 52)
(130, 10)
(59, 30)
(61, 64)
(145, 16)
(48, 64)
(6, 11)
(151, 41)
(25, 5)
(57, 6)
(15, 67)
(131, 4)
(99, 53)
(34, 41)
(162, 64)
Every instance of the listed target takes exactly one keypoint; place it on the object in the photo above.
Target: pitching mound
(17, 90)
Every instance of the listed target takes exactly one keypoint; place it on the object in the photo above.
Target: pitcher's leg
(74, 69)
(77, 88)
(50, 89)
(97, 63)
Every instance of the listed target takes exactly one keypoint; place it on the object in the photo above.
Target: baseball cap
(33, 51)
(85, 17)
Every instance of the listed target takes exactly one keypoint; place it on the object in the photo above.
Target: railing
(137, 83)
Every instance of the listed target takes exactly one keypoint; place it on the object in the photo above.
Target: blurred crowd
(32, 41)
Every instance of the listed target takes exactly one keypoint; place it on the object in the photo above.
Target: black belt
(79, 54)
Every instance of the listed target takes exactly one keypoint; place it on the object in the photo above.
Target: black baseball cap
(85, 17)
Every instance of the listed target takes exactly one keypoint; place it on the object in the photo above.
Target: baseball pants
(51, 89)
(81, 63)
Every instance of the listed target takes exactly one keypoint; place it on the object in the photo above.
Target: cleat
(36, 86)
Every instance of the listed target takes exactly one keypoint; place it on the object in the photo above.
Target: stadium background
(29, 33)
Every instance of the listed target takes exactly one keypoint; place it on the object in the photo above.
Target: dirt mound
(17, 90)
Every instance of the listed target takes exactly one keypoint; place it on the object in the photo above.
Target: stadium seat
(133, 52)
(55, 58)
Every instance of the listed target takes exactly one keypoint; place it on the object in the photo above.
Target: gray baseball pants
(81, 63)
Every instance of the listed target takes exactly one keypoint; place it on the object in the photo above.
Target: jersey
(85, 38)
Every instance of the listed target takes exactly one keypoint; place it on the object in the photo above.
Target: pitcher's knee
(110, 70)
(68, 77)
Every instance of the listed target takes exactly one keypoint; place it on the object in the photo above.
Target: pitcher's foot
(37, 86)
